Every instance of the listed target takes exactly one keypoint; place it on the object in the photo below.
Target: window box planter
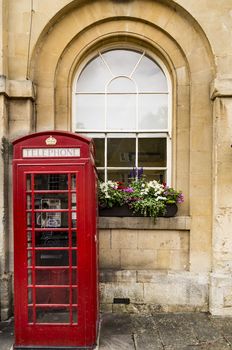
(125, 211)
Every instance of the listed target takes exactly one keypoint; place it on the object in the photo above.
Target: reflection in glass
(115, 58)
(89, 111)
(153, 112)
(94, 77)
(121, 112)
(55, 257)
(52, 239)
(51, 182)
(152, 152)
(149, 76)
(51, 219)
(158, 175)
(121, 85)
(121, 152)
(100, 151)
(52, 258)
(119, 175)
(52, 315)
(55, 277)
(51, 201)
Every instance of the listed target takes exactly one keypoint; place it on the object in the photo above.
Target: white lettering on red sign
(50, 152)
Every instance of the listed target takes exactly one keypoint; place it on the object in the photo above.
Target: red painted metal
(56, 264)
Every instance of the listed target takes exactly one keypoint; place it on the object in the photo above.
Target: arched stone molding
(185, 50)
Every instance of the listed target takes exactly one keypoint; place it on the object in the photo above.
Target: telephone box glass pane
(52, 182)
(52, 295)
(28, 201)
(55, 277)
(28, 182)
(29, 239)
(51, 239)
(52, 315)
(52, 219)
(30, 296)
(52, 258)
(73, 181)
(28, 219)
(51, 201)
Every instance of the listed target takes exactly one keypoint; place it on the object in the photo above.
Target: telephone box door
(53, 257)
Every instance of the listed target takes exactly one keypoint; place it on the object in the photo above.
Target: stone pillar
(221, 281)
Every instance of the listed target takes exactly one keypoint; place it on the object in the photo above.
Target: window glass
(90, 112)
(152, 152)
(121, 152)
(121, 62)
(121, 100)
(95, 72)
(153, 112)
(149, 76)
(121, 112)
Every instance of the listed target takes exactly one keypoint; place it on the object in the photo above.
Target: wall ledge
(144, 223)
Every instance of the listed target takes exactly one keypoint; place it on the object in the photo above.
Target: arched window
(121, 99)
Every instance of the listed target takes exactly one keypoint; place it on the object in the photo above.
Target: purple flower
(128, 190)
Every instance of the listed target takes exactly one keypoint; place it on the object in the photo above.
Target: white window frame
(104, 133)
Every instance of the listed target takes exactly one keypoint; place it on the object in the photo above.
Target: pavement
(180, 331)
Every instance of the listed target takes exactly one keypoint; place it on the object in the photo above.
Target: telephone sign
(55, 245)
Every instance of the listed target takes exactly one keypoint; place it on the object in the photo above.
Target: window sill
(143, 223)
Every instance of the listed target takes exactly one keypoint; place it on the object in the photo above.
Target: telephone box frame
(67, 156)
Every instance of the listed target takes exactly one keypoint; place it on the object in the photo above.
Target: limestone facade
(183, 263)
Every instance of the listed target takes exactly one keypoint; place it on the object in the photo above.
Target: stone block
(109, 258)
(138, 259)
(124, 239)
(104, 239)
(106, 276)
(133, 291)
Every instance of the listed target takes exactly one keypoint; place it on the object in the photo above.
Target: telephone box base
(54, 347)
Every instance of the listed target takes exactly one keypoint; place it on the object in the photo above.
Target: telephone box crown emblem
(51, 141)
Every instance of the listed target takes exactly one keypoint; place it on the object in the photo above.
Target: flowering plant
(149, 198)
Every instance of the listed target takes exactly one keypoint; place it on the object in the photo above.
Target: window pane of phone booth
(53, 315)
(54, 258)
(28, 182)
(30, 295)
(52, 219)
(28, 202)
(51, 239)
(56, 277)
(52, 295)
(73, 182)
(28, 219)
(29, 239)
(52, 182)
(29, 277)
(29, 258)
(51, 201)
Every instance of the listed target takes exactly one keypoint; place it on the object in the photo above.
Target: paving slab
(192, 331)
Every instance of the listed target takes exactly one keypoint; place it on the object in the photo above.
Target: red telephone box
(55, 242)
